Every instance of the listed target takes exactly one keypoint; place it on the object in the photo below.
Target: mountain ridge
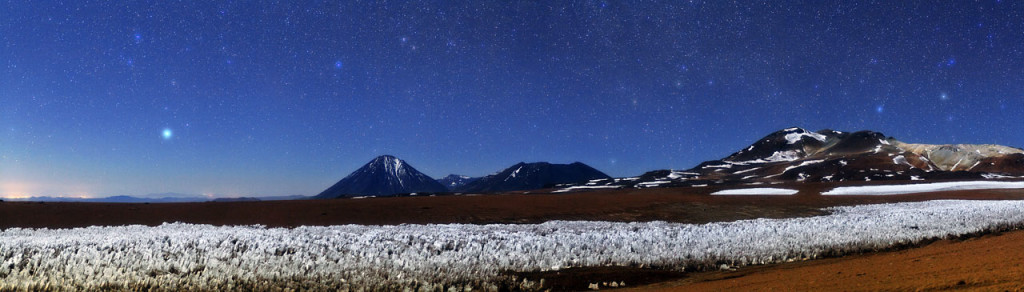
(796, 154)
(536, 175)
(385, 175)
(455, 181)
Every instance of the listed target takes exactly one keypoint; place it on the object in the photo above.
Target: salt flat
(924, 187)
(191, 256)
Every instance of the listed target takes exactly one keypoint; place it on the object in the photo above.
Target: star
(441, 78)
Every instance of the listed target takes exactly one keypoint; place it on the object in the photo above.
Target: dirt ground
(992, 262)
(989, 263)
(686, 205)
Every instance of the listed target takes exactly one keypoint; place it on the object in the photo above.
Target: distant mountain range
(389, 176)
(455, 181)
(796, 154)
(800, 155)
(537, 175)
(793, 154)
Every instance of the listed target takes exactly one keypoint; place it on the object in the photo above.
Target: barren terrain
(684, 205)
(990, 262)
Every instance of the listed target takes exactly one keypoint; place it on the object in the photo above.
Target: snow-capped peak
(384, 175)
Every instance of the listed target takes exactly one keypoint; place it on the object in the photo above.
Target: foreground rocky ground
(463, 256)
(681, 205)
(992, 262)
(942, 269)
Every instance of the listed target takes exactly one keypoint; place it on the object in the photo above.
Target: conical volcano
(385, 175)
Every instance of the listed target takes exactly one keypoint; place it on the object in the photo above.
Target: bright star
(880, 108)
(338, 64)
(167, 134)
(944, 96)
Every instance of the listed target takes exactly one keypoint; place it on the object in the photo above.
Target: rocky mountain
(385, 175)
(796, 154)
(455, 181)
(528, 176)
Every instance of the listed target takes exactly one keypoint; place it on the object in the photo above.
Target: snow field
(455, 256)
(755, 191)
(924, 187)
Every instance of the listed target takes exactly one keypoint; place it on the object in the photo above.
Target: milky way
(280, 98)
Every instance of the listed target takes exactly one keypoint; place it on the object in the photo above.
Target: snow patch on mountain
(793, 138)
(900, 159)
(803, 163)
(778, 156)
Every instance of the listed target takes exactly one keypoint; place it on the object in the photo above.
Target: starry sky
(260, 98)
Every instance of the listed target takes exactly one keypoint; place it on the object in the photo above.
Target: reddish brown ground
(688, 205)
(989, 263)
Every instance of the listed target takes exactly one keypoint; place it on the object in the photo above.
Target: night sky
(102, 98)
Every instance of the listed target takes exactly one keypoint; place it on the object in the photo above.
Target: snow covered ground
(756, 191)
(925, 187)
(585, 187)
(357, 257)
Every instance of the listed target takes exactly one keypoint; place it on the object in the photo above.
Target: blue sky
(281, 97)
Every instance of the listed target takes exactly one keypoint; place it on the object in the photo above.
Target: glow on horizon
(24, 190)
(16, 196)
(15, 190)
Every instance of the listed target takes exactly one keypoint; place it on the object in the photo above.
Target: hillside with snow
(799, 155)
(537, 175)
(385, 175)
(455, 181)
